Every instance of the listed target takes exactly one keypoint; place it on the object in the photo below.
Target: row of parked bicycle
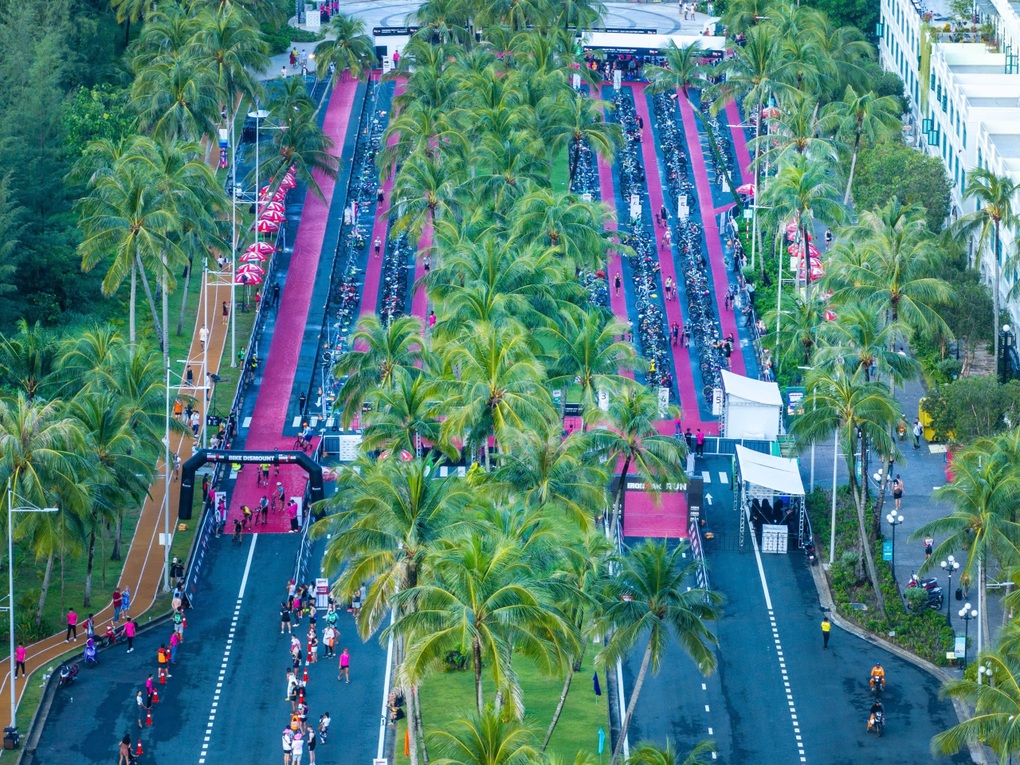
(586, 184)
(702, 323)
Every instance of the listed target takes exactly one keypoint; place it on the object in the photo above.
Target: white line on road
(386, 691)
(706, 476)
(724, 478)
(779, 649)
(226, 653)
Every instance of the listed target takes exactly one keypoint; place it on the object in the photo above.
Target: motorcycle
(936, 596)
(809, 550)
(67, 675)
(876, 724)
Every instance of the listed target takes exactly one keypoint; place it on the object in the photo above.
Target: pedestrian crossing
(724, 477)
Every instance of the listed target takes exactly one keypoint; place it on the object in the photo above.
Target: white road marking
(226, 651)
(706, 476)
(724, 478)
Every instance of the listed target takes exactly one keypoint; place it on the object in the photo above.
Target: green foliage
(99, 113)
(923, 632)
(972, 408)
(862, 14)
(280, 38)
(894, 169)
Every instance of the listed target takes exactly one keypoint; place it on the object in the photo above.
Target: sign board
(960, 646)
(794, 401)
(617, 79)
(322, 593)
(887, 550)
(748, 213)
(313, 21)
(576, 81)
(347, 447)
(603, 400)
(774, 538)
(717, 401)
(635, 207)
(663, 402)
(394, 31)
(254, 458)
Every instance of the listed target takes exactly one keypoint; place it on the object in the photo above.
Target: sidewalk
(143, 566)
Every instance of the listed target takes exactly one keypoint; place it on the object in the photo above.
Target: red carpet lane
(739, 142)
(711, 230)
(683, 373)
(271, 405)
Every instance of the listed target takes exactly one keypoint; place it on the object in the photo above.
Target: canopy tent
(751, 408)
(771, 499)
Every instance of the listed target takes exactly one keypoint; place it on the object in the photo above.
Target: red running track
(739, 142)
(271, 405)
(683, 373)
(711, 230)
(642, 517)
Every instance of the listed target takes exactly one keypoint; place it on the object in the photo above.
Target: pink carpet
(607, 190)
(642, 517)
(683, 373)
(739, 143)
(270, 415)
(711, 229)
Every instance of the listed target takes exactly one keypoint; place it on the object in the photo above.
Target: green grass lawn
(450, 695)
(560, 175)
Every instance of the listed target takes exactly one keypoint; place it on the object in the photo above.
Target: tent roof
(752, 390)
(777, 473)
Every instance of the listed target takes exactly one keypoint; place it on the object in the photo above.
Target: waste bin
(11, 738)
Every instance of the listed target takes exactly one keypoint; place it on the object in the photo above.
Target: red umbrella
(275, 206)
(250, 269)
(288, 182)
(797, 250)
(747, 188)
(829, 315)
(267, 227)
(249, 280)
(771, 113)
(273, 215)
(265, 248)
(791, 231)
(253, 257)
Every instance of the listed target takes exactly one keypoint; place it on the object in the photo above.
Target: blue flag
(595, 682)
(602, 741)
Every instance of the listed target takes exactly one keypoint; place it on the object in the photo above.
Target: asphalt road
(777, 697)
(225, 700)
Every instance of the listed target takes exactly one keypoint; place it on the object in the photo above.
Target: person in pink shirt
(129, 632)
(150, 690)
(19, 657)
(72, 626)
(174, 642)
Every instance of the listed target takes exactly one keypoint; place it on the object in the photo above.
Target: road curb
(963, 712)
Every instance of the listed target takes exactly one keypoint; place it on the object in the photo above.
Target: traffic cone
(184, 622)
(155, 696)
(162, 676)
(138, 749)
(148, 717)
(305, 678)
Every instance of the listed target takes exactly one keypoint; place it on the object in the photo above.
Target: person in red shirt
(19, 657)
(118, 600)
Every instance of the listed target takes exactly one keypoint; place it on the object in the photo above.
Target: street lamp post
(966, 613)
(835, 463)
(894, 521)
(949, 565)
(11, 510)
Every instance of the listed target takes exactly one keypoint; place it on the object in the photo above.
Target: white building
(964, 96)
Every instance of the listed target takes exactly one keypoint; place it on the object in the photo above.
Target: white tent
(771, 499)
(751, 408)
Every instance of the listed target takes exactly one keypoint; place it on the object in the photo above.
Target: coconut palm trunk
(574, 667)
(853, 163)
(996, 309)
(148, 296)
(133, 302)
(87, 599)
(44, 590)
(476, 661)
(865, 538)
(618, 505)
(412, 726)
(642, 674)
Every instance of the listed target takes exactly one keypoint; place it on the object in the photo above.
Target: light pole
(949, 565)
(11, 510)
(985, 670)
(894, 521)
(835, 463)
(258, 115)
(966, 613)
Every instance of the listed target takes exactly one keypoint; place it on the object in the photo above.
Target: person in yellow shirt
(826, 627)
(877, 677)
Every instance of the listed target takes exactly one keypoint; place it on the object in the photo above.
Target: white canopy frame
(765, 478)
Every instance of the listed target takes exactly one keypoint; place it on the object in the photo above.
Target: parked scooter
(68, 673)
(809, 550)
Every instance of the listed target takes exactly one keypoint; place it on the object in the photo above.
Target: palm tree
(652, 601)
(565, 223)
(629, 434)
(130, 11)
(799, 323)
(806, 190)
(499, 387)
(797, 130)
(442, 21)
(994, 196)
(647, 753)
(996, 704)
(377, 354)
(889, 260)
(585, 351)
(575, 121)
(861, 338)
(481, 594)
(858, 116)
(403, 416)
(485, 739)
(178, 99)
(983, 494)
(348, 48)
(424, 189)
(126, 217)
(28, 359)
(43, 460)
(845, 402)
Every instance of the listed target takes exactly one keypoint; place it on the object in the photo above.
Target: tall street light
(949, 565)
(966, 613)
(894, 521)
(11, 510)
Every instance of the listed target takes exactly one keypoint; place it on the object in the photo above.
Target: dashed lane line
(211, 719)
